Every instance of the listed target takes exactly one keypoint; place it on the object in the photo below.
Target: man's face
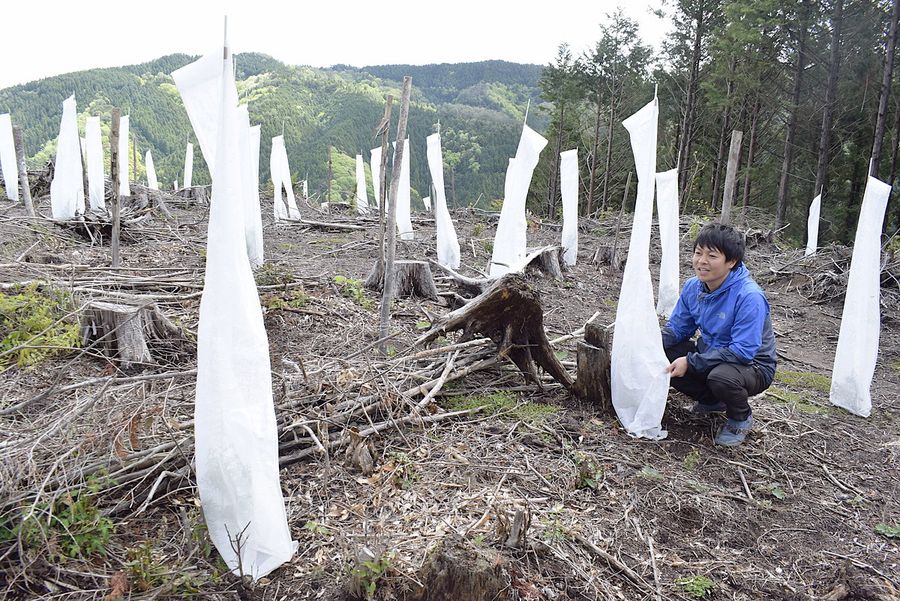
(711, 267)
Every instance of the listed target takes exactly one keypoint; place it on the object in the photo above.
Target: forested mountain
(479, 106)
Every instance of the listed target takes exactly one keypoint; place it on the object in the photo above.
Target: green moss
(34, 325)
(503, 402)
(696, 587)
(272, 274)
(797, 401)
(292, 299)
(801, 379)
(895, 365)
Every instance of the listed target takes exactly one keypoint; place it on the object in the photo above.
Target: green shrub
(353, 289)
(34, 325)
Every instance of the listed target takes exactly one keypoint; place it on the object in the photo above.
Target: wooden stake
(330, 175)
(385, 129)
(734, 155)
(114, 174)
(24, 186)
(391, 225)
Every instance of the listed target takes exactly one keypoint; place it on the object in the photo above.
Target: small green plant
(368, 573)
(776, 491)
(423, 325)
(696, 587)
(273, 274)
(34, 326)
(316, 528)
(589, 473)
(694, 230)
(405, 474)
(554, 532)
(72, 528)
(890, 531)
(487, 246)
(292, 299)
(692, 459)
(478, 229)
(353, 289)
(651, 473)
(144, 572)
(504, 402)
(478, 539)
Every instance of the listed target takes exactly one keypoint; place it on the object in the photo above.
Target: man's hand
(678, 367)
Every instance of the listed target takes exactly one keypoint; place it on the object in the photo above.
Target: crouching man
(734, 356)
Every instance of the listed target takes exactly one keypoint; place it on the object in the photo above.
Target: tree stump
(122, 331)
(412, 278)
(593, 380)
(456, 570)
(546, 261)
(509, 313)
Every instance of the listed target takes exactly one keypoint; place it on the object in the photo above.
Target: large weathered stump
(593, 380)
(456, 570)
(412, 278)
(546, 261)
(122, 331)
(509, 313)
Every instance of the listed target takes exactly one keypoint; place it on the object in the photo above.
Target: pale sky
(55, 37)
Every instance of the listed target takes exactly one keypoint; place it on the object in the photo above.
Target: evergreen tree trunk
(751, 151)
(856, 188)
(892, 225)
(590, 191)
(885, 90)
(609, 144)
(790, 134)
(830, 93)
(687, 123)
(554, 169)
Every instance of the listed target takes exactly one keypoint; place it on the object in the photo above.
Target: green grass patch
(353, 289)
(803, 379)
(503, 402)
(696, 587)
(292, 299)
(35, 325)
(888, 530)
(895, 365)
(797, 401)
(273, 274)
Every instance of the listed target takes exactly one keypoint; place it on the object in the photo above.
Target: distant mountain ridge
(480, 107)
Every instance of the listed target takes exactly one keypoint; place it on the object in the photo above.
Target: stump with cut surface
(122, 332)
(546, 261)
(593, 380)
(457, 570)
(412, 278)
(509, 313)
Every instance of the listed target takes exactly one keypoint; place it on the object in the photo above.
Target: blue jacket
(734, 324)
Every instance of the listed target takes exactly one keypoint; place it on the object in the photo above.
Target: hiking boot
(734, 432)
(706, 409)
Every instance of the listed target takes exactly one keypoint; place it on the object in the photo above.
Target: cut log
(412, 278)
(593, 380)
(509, 313)
(122, 331)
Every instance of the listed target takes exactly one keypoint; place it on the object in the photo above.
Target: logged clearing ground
(392, 499)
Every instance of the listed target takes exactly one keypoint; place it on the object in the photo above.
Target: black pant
(730, 383)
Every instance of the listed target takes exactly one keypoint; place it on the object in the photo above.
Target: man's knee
(724, 378)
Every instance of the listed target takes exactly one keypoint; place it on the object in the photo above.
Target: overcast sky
(53, 37)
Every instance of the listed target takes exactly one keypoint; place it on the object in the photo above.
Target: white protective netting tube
(152, 182)
(404, 219)
(8, 158)
(94, 154)
(857, 347)
(236, 445)
(510, 240)
(124, 159)
(67, 187)
(568, 176)
(667, 213)
(447, 241)
(640, 383)
(188, 178)
(362, 201)
(375, 165)
(812, 225)
(252, 219)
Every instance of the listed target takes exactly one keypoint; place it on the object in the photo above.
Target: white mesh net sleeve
(124, 159)
(857, 347)
(447, 241)
(510, 239)
(94, 152)
(568, 175)
(640, 383)
(236, 446)
(667, 213)
(362, 201)
(8, 158)
(67, 187)
(812, 225)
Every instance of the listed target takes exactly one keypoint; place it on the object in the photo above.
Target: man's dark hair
(724, 239)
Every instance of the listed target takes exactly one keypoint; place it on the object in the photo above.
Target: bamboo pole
(391, 225)
(24, 186)
(114, 174)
